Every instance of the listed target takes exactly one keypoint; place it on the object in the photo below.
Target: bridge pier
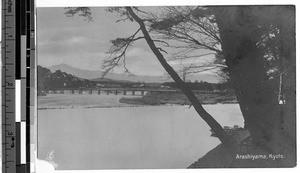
(116, 92)
(99, 91)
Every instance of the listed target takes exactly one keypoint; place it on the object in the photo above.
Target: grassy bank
(180, 99)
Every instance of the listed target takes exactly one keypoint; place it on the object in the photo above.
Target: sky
(83, 44)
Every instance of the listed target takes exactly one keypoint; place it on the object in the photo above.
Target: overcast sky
(83, 44)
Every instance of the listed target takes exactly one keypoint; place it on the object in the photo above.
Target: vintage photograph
(166, 87)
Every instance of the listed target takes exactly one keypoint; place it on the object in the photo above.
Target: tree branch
(216, 127)
(118, 45)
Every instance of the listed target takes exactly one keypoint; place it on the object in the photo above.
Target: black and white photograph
(166, 87)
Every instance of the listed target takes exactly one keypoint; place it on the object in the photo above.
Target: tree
(255, 46)
(118, 54)
(215, 126)
(261, 53)
(43, 76)
(190, 31)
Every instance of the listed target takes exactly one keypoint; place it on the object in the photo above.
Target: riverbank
(181, 99)
(75, 101)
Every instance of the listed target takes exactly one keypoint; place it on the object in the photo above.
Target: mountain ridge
(96, 75)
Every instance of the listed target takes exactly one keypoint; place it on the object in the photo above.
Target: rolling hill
(96, 75)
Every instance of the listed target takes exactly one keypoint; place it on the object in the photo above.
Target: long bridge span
(117, 91)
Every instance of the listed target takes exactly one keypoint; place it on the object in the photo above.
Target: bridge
(117, 91)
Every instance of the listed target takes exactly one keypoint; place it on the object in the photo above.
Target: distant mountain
(96, 75)
(85, 74)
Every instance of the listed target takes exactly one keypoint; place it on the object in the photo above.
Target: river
(129, 137)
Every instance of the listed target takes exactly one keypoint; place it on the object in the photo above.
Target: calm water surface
(129, 137)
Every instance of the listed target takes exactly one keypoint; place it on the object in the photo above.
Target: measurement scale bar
(18, 86)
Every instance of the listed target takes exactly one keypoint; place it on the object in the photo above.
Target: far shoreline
(65, 101)
(129, 105)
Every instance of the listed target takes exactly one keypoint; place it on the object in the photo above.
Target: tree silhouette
(117, 54)
(254, 46)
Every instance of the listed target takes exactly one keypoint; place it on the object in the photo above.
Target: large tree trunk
(256, 93)
(215, 126)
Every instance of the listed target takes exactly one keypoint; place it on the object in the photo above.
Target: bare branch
(117, 52)
(138, 38)
(161, 41)
(139, 10)
(216, 127)
(160, 49)
(190, 56)
(180, 24)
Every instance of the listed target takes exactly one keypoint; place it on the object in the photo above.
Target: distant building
(100, 85)
(138, 86)
(163, 86)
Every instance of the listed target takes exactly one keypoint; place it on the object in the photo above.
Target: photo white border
(90, 3)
